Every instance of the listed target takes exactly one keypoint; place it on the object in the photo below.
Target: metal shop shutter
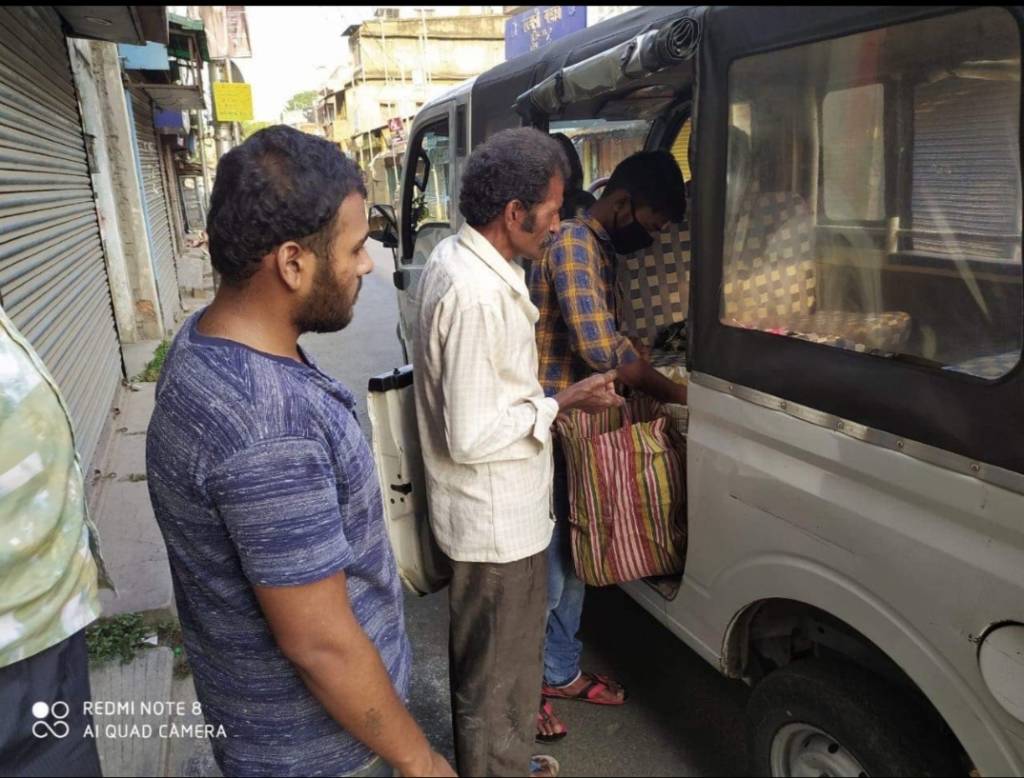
(53, 279)
(158, 224)
(966, 185)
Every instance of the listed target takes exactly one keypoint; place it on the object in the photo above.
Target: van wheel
(819, 717)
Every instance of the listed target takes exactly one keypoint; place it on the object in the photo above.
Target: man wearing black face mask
(577, 334)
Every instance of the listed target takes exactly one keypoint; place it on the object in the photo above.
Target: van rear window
(603, 144)
(853, 153)
(874, 193)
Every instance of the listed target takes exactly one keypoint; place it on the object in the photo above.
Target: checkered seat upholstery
(770, 280)
(769, 271)
(654, 285)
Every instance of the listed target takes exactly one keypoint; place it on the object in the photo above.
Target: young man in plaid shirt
(577, 335)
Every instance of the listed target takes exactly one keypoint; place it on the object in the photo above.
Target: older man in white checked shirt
(485, 429)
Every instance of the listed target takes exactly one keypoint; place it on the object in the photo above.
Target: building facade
(90, 224)
(401, 59)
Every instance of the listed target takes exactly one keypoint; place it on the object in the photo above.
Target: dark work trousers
(498, 614)
(37, 741)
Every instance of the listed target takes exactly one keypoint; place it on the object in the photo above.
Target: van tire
(880, 725)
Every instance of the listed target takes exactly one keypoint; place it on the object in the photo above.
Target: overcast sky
(294, 48)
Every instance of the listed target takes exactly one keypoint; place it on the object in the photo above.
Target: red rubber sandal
(546, 715)
(591, 692)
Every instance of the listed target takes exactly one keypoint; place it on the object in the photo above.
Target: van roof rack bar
(673, 42)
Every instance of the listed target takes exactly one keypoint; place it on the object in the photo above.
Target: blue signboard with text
(152, 56)
(540, 26)
(171, 122)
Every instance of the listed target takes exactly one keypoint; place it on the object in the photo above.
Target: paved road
(369, 345)
(682, 717)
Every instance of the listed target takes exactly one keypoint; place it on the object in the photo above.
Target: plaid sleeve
(582, 297)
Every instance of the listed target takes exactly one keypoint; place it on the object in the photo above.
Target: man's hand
(316, 630)
(591, 395)
(678, 394)
(432, 766)
(641, 375)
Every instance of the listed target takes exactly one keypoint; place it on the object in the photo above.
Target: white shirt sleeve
(485, 418)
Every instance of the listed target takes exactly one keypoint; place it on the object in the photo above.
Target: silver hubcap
(803, 751)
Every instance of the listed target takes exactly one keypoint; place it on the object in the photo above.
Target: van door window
(429, 198)
(874, 195)
(432, 166)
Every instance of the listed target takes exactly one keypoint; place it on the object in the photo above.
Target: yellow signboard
(232, 102)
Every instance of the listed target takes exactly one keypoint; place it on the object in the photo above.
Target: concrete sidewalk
(130, 540)
(136, 559)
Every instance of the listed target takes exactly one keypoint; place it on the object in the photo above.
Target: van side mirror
(384, 225)
(422, 172)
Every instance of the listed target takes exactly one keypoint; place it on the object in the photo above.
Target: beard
(327, 308)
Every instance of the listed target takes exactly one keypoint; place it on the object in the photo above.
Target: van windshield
(874, 193)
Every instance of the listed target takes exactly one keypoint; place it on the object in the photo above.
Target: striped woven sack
(627, 492)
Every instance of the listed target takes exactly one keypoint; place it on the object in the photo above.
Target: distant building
(333, 122)
(598, 13)
(103, 112)
(401, 59)
(304, 120)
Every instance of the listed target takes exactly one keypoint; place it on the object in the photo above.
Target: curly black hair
(280, 185)
(651, 178)
(515, 164)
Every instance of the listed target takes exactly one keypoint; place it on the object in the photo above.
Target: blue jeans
(562, 649)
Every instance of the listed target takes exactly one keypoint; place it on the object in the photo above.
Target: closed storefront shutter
(53, 279)
(158, 224)
(965, 175)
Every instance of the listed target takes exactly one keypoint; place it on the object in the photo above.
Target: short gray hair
(511, 165)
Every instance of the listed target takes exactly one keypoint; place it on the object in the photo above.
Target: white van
(851, 281)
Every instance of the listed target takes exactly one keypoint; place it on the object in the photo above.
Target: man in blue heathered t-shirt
(264, 486)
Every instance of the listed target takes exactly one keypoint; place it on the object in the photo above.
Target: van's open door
(396, 451)
(428, 200)
(427, 213)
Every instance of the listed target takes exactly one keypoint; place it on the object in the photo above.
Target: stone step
(138, 355)
(125, 747)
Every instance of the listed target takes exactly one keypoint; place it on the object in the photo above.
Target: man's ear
(513, 213)
(292, 263)
(621, 202)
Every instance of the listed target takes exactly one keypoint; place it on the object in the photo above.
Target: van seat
(887, 331)
(771, 282)
(654, 285)
(770, 258)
